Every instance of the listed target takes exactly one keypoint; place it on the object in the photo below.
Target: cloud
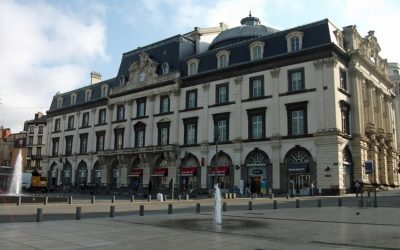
(44, 49)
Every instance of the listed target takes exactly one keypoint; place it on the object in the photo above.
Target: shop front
(136, 178)
(188, 176)
(159, 180)
(220, 175)
(258, 179)
(299, 178)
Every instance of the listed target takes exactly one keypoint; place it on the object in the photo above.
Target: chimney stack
(95, 77)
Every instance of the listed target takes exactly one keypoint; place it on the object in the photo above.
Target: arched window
(165, 68)
(223, 59)
(256, 50)
(294, 41)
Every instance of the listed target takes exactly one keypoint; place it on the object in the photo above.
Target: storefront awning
(188, 171)
(160, 172)
(222, 170)
(136, 172)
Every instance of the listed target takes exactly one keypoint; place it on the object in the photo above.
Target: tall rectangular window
(40, 140)
(70, 122)
(297, 118)
(296, 79)
(100, 135)
(68, 145)
(345, 113)
(163, 133)
(102, 116)
(140, 129)
(256, 123)
(190, 130)
(221, 127)
(191, 99)
(31, 129)
(85, 120)
(256, 86)
(39, 152)
(30, 140)
(119, 138)
(141, 107)
(343, 79)
(120, 112)
(54, 151)
(295, 43)
(57, 124)
(83, 143)
(222, 92)
(257, 52)
(164, 104)
(40, 129)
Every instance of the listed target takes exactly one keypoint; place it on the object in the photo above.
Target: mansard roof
(314, 35)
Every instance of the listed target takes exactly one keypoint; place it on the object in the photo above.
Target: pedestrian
(312, 188)
(150, 187)
(248, 192)
(357, 186)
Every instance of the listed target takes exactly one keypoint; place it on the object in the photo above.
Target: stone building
(283, 109)
(36, 142)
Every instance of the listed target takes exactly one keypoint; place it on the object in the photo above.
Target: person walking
(357, 186)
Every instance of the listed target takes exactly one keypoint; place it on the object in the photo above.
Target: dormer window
(339, 38)
(193, 65)
(223, 58)
(88, 94)
(294, 41)
(165, 68)
(256, 50)
(59, 102)
(73, 98)
(104, 90)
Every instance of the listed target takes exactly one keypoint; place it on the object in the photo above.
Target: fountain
(16, 181)
(217, 212)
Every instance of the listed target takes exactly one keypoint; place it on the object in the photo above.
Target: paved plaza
(288, 227)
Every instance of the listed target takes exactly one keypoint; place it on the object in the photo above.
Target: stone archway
(67, 176)
(189, 173)
(348, 170)
(81, 174)
(52, 175)
(298, 172)
(257, 172)
(221, 171)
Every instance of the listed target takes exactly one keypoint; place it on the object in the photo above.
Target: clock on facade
(141, 77)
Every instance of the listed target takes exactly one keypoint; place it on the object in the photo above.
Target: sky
(52, 46)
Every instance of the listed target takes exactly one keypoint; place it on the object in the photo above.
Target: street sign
(369, 167)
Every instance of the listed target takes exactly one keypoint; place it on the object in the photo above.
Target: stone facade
(307, 116)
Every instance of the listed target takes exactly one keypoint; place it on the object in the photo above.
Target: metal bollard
(271, 196)
(250, 205)
(112, 211)
(141, 211)
(187, 197)
(39, 215)
(287, 196)
(93, 200)
(297, 203)
(78, 214)
(319, 203)
(149, 197)
(339, 202)
(224, 206)
(169, 208)
(198, 208)
(19, 201)
(234, 196)
(46, 200)
(368, 203)
(226, 195)
(275, 204)
(179, 197)
(132, 198)
(113, 199)
(70, 200)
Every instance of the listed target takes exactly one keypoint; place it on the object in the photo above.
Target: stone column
(91, 143)
(275, 109)
(108, 136)
(358, 120)
(237, 117)
(128, 130)
(207, 124)
(275, 160)
(174, 97)
(371, 100)
(152, 127)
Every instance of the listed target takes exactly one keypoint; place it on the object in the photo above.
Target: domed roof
(250, 28)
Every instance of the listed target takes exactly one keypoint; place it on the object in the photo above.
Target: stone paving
(285, 228)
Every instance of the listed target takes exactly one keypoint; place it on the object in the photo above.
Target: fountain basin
(10, 198)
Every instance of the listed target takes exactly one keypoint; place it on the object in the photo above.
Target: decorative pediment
(142, 72)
